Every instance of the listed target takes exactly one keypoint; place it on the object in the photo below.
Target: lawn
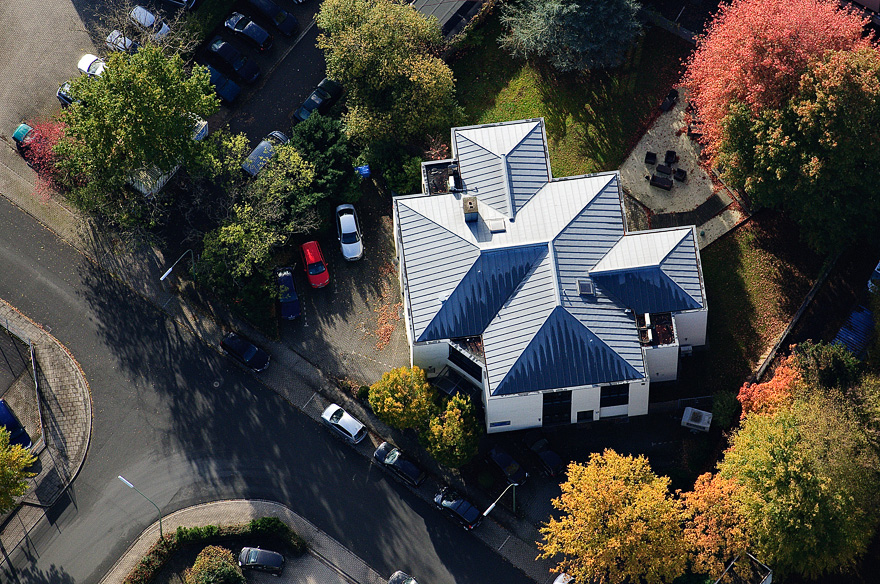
(593, 119)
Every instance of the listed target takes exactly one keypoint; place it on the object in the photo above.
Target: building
(451, 15)
(530, 290)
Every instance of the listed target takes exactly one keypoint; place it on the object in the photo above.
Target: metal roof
(645, 290)
(857, 332)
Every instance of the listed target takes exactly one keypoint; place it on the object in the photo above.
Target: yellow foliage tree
(619, 523)
(13, 461)
(403, 398)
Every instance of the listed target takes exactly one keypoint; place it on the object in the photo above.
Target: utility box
(696, 419)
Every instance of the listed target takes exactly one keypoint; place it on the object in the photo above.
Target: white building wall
(638, 397)
(691, 327)
(584, 399)
(662, 362)
(430, 356)
(521, 411)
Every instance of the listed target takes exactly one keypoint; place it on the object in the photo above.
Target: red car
(315, 266)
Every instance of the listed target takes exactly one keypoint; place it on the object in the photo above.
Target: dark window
(557, 408)
(614, 395)
(465, 364)
(496, 424)
(585, 416)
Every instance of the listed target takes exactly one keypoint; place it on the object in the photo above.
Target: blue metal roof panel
(683, 267)
(564, 353)
(435, 260)
(645, 290)
(481, 174)
(488, 284)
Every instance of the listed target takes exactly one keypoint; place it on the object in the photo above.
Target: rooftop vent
(585, 288)
(496, 225)
(469, 206)
(696, 419)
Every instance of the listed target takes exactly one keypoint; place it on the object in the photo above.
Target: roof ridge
(438, 225)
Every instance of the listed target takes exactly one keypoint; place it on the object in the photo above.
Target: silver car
(348, 229)
(344, 424)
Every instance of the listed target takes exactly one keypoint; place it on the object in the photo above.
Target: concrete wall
(430, 356)
(638, 398)
(662, 362)
(522, 411)
(690, 327)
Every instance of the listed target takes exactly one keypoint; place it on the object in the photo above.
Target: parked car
(551, 464)
(874, 280)
(563, 578)
(262, 560)
(245, 352)
(391, 458)
(185, 4)
(91, 65)
(324, 96)
(17, 433)
(22, 136)
(458, 508)
(348, 230)
(262, 154)
(244, 68)
(116, 41)
(281, 19)
(513, 471)
(344, 423)
(227, 90)
(399, 577)
(249, 30)
(149, 22)
(314, 264)
(64, 96)
(288, 299)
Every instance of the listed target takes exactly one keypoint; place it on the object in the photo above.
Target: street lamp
(168, 273)
(121, 478)
(492, 506)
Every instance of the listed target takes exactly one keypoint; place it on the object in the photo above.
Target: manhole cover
(216, 384)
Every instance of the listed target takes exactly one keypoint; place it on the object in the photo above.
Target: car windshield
(279, 18)
(337, 415)
(316, 268)
(512, 468)
(351, 237)
(241, 24)
(392, 456)
(249, 353)
(238, 64)
(252, 556)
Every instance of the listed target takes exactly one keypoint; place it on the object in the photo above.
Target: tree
(386, 54)
(828, 366)
(618, 523)
(715, 529)
(453, 436)
(771, 395)
(14, 460)
(754, 52)
(403, 398)
(573, 35)
(321, 141)
(137, 114)
(281, 193)
(214, 565)
(812, 156)
(807, 484)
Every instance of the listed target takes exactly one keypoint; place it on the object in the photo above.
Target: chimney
(469, 206)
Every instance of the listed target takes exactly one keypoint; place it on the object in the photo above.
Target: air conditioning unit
(696, 419)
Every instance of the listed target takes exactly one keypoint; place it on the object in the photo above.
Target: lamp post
(168, 273)
(121, 478)
(492, 506)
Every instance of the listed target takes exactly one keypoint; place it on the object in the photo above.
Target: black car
(249, 30)
(262, 154)
(322, 99)
(390, 457)
(280, 18)
(288, 299)
(244, 68)
(17, 434)
(227, 90)
(245, 352)
(513, 471)
(551, 464)
(64, 96)
(263, 560)
(457, 508)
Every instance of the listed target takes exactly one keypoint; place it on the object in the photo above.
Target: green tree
(321, 141)
(386, 54)
(453, 436)
(573, 35)
(807, 479)
(403, 398)
(619, 523)
(136, 115)
(214, 565)
(14, 460)
(281, 193)
(813, 156)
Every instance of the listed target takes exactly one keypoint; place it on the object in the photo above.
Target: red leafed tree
(41, 156)
(770, 396)
(754, 52)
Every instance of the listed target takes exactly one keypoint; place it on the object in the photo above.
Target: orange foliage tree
(755, 51)
(771, 395)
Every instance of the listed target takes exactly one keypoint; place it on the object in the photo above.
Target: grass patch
(593, 119)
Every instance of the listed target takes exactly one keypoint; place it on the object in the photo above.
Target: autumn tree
(403, 398)
(715, 528)
(454, 435)
(619, 523)
(387, 56)
(14, 462)
(772, 395)
(573, 35)
(214, 565)
(807, 483)
(754, 53)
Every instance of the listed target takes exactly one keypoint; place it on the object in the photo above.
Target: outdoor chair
(650, 158)
(662, 182)
(671, 157)
(664, 170)
(680, 175)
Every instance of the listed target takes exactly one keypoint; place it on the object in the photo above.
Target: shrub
(724, 409)
(403, 398)
(214, 565)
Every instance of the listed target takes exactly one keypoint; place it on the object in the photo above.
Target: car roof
(262, 154)
(21, 132)
(347, 223)
(312, 251)
(269, 558)
(142, 16)
(7, 418)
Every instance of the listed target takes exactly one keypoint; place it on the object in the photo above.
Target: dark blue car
(17, 433)
(279, 17)
(288, 299)
(226, 89)
(232, 58)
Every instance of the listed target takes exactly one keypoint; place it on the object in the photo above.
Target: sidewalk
(334, 562)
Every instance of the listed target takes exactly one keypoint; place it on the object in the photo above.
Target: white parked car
(146, 20)
(91, 65)
(116, 41)
(343, 423)
(348, 228)
(874, 280)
